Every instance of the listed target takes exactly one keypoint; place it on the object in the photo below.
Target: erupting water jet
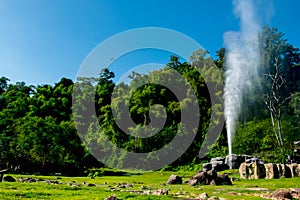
(241, 63)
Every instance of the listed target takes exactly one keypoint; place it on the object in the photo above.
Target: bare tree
(275, 99)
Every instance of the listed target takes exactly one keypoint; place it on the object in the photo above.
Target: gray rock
(219, 165)
(174, 179)
(206, 167)
(218, 159)
(223, 179)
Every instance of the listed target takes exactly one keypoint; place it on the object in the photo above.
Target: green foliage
(257, 138)
(38, 133)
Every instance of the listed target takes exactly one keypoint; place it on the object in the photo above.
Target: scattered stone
(235, 193)
(111, 198)
(161, 192)
(174, 179)
(204, 195)
(281, 194)
(128, 185)
(90, 185)
(143, 187)
(193, 182)
(9, 179)
(295, 192)
(28, 180)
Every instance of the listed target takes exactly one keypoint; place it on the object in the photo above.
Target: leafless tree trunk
(274, 102)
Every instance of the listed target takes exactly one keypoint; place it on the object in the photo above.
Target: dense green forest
(38, 132)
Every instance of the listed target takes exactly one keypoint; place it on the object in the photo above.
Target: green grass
(241, 189)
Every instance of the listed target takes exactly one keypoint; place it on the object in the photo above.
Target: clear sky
(42, 41)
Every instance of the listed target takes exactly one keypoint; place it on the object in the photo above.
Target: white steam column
(241, 63)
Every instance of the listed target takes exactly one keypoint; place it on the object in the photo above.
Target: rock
(161, 192)
(284, 171)
(143, 187)
(193, 182)
(206, 167)
(293, 169)
(203, 196)
(234, 161)
(223, 179)
(271, 171)
(217, 159)
(243, 171)
(9, 179)
(298, 170)
(295, 192)
(90, 185)
(281, 194)
(174, 179)
(255, 160)
(256, 170)
(219, 166)
(30, 180)
(211, 176)
(200, 177)
(111, 198)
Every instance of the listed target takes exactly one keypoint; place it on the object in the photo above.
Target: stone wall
(268, 171)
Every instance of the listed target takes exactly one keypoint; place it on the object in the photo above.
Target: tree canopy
(38, 132)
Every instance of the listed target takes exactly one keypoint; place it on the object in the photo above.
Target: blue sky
(42, 41)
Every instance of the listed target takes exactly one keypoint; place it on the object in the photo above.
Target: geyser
(241, 63)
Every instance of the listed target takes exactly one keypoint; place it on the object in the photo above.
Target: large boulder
(243, 171)
(254, 160)
(218, 159)
(206, 167)
(234, 161)
(199, 178)
(284, 171)
(271, 171)
(298, 170)
(174, 179)
(223, 179)
(293, 168)
(281, 194)
(252, 171)
(209, 178)
(217, 164)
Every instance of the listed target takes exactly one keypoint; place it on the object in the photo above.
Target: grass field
(106, 186)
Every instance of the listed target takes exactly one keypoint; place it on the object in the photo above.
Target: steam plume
(241, 63)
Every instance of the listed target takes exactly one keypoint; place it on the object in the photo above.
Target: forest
(38, 133)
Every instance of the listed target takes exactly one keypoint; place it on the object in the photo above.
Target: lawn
(105, 186)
